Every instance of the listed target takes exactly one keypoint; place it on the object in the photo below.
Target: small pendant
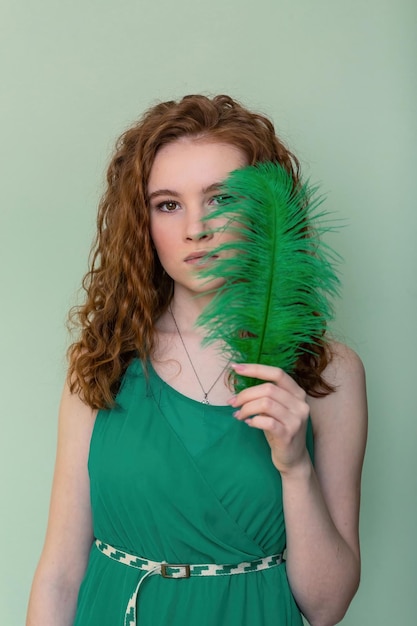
(205, 401)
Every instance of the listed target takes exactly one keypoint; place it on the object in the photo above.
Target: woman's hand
(279, 408)
(323, 557)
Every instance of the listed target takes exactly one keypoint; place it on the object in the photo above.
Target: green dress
(179, 481)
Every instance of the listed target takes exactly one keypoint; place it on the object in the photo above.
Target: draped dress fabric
(179, 481)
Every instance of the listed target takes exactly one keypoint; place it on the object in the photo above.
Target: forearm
(323, 570)
(52, 602)
(321, 505)
(69, 535)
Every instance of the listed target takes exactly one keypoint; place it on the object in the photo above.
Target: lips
(200, 257)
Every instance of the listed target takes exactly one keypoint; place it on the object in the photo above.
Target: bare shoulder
(75, 411)
(342, 414)
(344, 362)
(346, 373)
(76, 423)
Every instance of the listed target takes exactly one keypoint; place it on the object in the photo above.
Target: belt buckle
(181, 566)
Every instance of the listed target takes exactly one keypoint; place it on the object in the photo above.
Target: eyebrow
(171, 192)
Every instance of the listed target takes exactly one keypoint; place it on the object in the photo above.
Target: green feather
(278, 275)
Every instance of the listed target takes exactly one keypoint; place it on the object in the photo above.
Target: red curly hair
(126, 288)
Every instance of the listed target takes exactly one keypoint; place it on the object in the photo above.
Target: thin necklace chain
(206, 393)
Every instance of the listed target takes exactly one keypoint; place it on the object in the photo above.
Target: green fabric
(176, 480)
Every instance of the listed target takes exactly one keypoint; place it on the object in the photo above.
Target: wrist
(298, 472)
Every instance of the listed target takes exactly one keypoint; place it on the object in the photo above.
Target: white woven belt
(174, 570)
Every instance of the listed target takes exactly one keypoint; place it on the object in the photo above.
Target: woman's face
(184, 185)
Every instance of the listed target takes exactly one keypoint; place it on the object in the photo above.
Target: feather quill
(278, 275)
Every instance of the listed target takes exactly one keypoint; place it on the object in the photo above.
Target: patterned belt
(174, 570)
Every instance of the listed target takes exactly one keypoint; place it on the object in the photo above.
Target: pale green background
(339, 79)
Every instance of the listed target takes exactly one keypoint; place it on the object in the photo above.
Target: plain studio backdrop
(339, 80)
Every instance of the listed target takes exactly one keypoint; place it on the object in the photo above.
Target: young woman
(169, 505)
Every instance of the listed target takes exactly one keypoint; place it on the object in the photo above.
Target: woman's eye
(168, 206)
(220, 199)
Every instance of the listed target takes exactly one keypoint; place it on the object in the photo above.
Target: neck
(187, 309)
(205, 391)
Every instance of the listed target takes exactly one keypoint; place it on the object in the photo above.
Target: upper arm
(340, 429)
(69, 533)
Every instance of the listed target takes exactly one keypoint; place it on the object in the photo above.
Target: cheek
(160, 239)
(155, 231)
(228, 230)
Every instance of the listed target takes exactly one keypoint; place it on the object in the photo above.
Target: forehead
(189, 161)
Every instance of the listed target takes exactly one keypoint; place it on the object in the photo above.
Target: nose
(196, 228)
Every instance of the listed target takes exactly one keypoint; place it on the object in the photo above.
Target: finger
(263, 406)
(267, 424)
(275, 375)
(267, 390)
